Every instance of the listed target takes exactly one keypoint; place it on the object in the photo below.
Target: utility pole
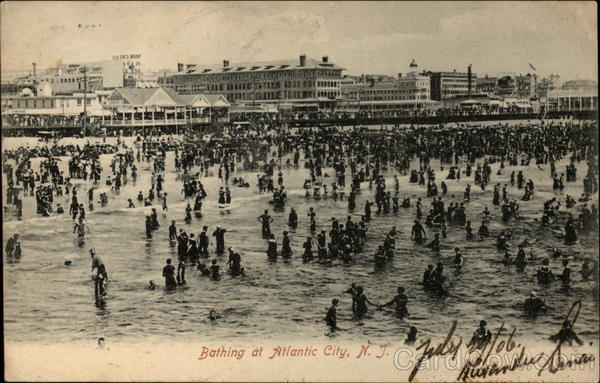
(84, 99)
(253, 90)
(358, 112)
(469, 82)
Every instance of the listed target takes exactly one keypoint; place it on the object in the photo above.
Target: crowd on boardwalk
(27, 121)
(356, 159)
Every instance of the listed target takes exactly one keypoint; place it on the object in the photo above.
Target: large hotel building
(409, 92)
(303, 84)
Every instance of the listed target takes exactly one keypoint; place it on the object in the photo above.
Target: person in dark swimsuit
(400, 301)
(169, 274)
(331, 317)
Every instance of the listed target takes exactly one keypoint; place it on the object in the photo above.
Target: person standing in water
(293, 219)
(203, 242)
(11, 244)
(308, 254)
(101, 281)
(418, 233)
(90, 195)
(361, 302)
(181, 272)
(214, 270)
(172, 231)
(266, 221)
(164, 203)
(227, 196)
(331, 317)
(74, 210)
(272, 247)
(169, 275)
(17, 251)
(221, 196)
(286, 249)
(400, 301)
(219, 235)
(148, 227)
(80, 228)
(188, 214)
(154, 215)
(96, 260)
(313, 222)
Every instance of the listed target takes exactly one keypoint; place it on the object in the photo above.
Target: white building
(414, 86)
(67, 105)
(570, 100)
(385, 94)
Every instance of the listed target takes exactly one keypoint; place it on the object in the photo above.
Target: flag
(532, 67)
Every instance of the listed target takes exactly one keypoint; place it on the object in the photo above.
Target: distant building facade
(520, 86)
(571, 100)
(547, 84)
(486, 85)
(72, 78)
(579, 85)
(67, 105)
(301, 84)
(378, 93)
(446, 85)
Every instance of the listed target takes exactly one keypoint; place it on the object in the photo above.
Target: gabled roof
(133, 96)
(163, 97)
(178, 98)
(199, 100)
(142, 97)
(195, 100)
(217, 100)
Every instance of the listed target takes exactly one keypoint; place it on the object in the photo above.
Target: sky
(363, 37)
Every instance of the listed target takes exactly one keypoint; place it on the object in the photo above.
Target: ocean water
(48, 302)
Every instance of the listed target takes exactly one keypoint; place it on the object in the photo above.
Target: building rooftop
(141, 97)
(448, 74)
(589, 92)
(262, 66)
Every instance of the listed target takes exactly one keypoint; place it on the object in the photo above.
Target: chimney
(399, 75)
(179, 67)
(469, 81)
(33, 69)
(302, 60)
(225, 63)
(190, 67)
(325, 59)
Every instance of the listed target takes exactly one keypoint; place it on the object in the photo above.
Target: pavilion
(150, 107)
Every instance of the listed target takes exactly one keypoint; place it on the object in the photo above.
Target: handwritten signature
(483, 367)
